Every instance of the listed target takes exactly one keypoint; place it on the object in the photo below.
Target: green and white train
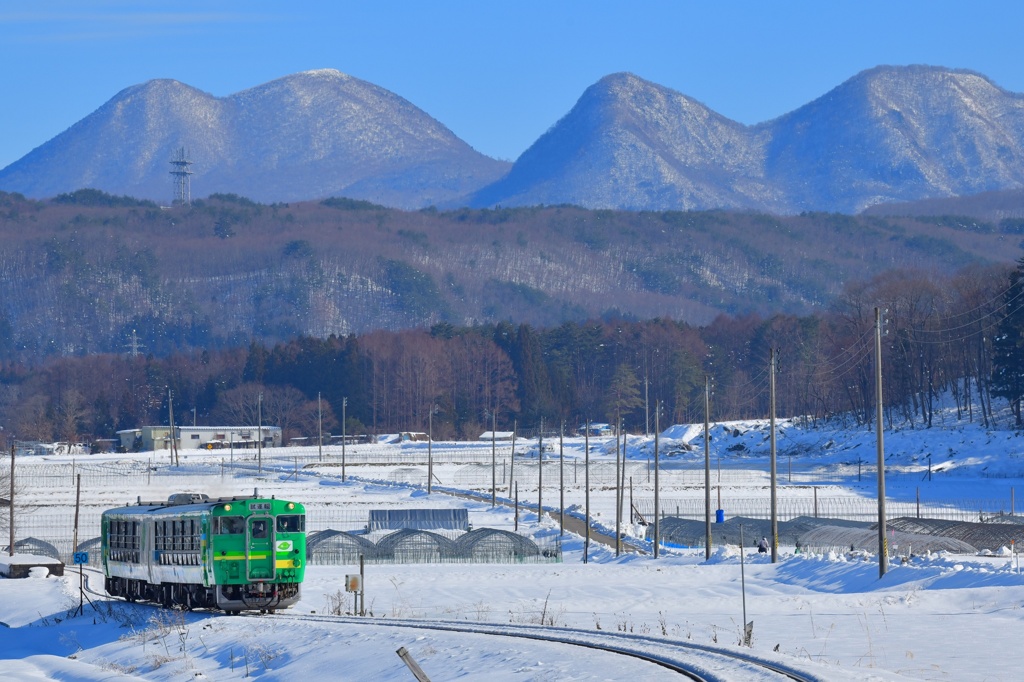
(234, 554)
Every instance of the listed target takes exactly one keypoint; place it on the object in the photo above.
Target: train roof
(184, 503)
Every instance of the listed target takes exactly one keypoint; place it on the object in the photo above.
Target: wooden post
(413, 666)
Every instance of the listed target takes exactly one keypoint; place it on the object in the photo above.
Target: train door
(260, 548)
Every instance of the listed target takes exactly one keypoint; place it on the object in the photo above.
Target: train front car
(258, 552)
(237, 554)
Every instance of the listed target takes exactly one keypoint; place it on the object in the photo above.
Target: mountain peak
(307, 135)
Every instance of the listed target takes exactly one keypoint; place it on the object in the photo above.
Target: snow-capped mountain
(888, 134)
(898, 134)
(306, 136)
(632, 144)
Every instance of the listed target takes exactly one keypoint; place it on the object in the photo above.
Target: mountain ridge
(887, 134)
(307, 135)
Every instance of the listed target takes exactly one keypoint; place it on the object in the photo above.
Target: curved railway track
(692, 661)
(701, 663)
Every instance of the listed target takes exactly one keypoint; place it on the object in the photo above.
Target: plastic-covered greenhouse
(336, 547)
(905, 535)
(491, 545)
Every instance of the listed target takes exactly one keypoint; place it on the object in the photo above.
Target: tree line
(89, 273)
(942, 334)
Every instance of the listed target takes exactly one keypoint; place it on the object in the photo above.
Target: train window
(291, 523)
(259, 529)
(231, 525)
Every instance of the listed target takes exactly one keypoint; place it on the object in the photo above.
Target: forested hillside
(938, 337)
(88, 272)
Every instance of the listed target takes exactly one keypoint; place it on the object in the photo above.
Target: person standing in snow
(762, 547)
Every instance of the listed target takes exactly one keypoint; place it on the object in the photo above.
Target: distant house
(497, 435)
(595, 430)
(413, 436)
(200, 437)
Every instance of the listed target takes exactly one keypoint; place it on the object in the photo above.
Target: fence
(50, 532)
(54, 524)
(845, 508)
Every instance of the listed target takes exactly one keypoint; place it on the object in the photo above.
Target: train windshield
(230, 525)
(291, 523)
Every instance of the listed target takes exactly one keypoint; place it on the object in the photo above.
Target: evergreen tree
(1008, 345)
(534, 385)
(624, 393)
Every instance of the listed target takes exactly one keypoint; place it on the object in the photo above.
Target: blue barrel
(719, 516)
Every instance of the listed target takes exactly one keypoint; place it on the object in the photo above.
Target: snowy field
(933, 616)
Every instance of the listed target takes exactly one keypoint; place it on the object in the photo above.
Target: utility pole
(430, 448)
(74, 544)
(657, 501)
(10, 508)
(259, 433)
(618, 489)
(319, 429)
(512, 457)
(344, 404)
(540, 471)
(494, 458)
(707, 466)
(775, 515)
(170, 418)
(561, 480)
(622, 497)
(647, 404)
(586, 485)
(883, 547)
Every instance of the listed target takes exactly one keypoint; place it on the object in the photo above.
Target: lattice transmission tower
(182, 185)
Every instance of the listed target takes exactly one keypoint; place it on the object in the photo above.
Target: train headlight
(291, 505)
(227, 507)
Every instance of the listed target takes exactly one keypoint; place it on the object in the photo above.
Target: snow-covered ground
(933, 616)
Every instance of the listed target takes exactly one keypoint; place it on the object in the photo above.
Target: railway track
(693, 661)
(701, 663)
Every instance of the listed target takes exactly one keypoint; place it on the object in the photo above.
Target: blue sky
(497, 73)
